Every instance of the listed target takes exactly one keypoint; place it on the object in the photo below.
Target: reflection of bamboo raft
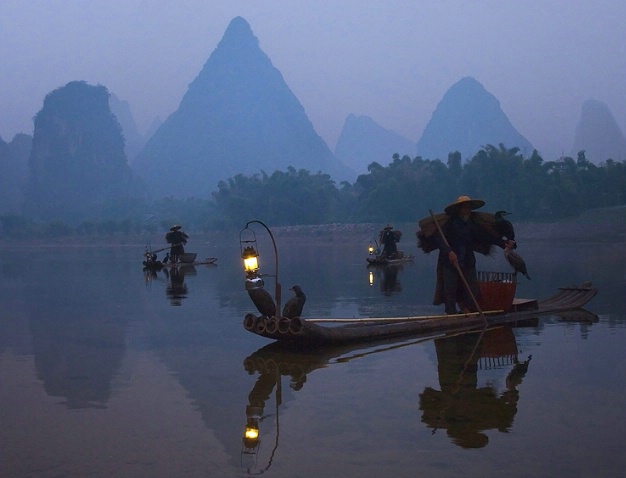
(497, 349)
(318, 331)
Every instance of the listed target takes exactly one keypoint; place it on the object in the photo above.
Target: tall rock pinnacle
(237, 116)
(598, 134)
(468, 118)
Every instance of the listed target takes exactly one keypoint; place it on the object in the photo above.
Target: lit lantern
(371, 249)
(250, 260)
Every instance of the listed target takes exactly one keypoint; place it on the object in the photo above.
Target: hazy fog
(391, 61)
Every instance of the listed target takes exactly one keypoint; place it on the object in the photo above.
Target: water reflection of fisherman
(461, 407)
(390, 283)
(177, 238)
(176, 289)
(389, 238)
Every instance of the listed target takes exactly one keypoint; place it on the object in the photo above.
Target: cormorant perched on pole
(516, 261)
(293, 307)
(504, 226)
(263, 301)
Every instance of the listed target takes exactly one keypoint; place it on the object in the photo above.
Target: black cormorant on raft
(263, 301)
(293, 307)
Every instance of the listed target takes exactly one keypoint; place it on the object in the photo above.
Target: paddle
(165, 248)
(458, 268)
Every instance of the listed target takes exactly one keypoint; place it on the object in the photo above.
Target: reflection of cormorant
(515, 376)
(463, 408)
(263, 301)
(516, 261)
(293, 307)
(176, 289)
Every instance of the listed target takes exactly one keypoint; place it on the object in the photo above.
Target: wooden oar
(165, 248)
(458, 268)
(366, 320)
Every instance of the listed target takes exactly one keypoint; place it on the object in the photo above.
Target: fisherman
(388, 238)
(463, 235)
(177, 238)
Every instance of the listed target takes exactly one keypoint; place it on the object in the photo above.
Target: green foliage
(291, 197)
(402, 191)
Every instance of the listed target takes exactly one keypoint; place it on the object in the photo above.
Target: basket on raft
(497, 290)
(187, 257)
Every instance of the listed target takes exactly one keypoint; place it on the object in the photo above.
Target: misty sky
(390, 60)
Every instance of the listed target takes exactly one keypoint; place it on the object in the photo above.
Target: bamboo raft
(350, 330)
(381, 261)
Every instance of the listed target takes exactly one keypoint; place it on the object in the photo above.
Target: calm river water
(109, 371)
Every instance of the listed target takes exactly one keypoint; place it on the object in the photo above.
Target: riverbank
(601, 226)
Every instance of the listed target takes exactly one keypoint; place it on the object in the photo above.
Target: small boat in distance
(188, 259)
(384, 251)
(384, 261)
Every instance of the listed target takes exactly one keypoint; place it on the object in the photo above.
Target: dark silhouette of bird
(516, 261)
(293, 307)
(263, 301)
(515, 376)
(166, 259)
(504, 226)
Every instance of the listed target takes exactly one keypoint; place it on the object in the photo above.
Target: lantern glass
(251, 264)
(250, 259)
(252, 433)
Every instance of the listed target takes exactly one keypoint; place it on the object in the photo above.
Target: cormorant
(504, 226)
(263, 302)
(516, 261)
(294, 306)
(166, 259)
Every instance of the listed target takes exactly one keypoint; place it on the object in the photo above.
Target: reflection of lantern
(251, 440)
(251, 435)
(250, 260)
(371, 277)
(250, 444)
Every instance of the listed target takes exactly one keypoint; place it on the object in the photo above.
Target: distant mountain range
(598, 134)
(134, 141)
(468, 118)
(363, 141)
(77, 161)
(14, 167)
(237, 116)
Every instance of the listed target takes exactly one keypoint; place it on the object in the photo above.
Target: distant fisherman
(177, 239)
(389, 238)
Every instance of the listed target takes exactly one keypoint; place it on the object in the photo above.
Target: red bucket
(497, 290)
